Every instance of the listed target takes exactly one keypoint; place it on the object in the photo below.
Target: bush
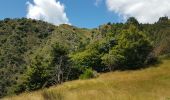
(88, 73)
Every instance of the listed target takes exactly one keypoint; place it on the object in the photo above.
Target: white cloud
(146, 11)
(51, 11)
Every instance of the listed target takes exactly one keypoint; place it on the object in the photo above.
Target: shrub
(87, 74)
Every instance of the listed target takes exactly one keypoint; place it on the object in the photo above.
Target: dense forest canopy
(35, 54)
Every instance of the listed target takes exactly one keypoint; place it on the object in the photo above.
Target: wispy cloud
(51, 11)
(146, 11)
(98, 2)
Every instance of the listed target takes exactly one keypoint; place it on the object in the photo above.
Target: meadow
(151, 83)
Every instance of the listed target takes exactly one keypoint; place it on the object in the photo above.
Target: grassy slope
(147, 84)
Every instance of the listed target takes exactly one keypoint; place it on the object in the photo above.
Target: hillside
(146, 84)
(35, 54)
(20, 39)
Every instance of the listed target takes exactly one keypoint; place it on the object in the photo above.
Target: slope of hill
(146, 84)
(35, 54)
(22, 38)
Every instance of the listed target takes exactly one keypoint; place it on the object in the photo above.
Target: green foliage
(132, 21)
(163, 19)
(86, 58)
(48, 69)
(90, 57)
(131, 52)
(87, 74)
(35, 54)
(18, 38)
(113, 60)
(26, 43)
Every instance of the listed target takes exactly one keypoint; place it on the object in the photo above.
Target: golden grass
(148, 84)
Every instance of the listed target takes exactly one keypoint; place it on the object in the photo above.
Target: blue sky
(84, 13)
(12, 8)
(81, 13)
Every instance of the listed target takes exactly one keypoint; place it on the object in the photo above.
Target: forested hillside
(36, 54)
(20, 39)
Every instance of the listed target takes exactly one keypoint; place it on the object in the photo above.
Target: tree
(131, 52)
(132, 21)
(87, 59)
(91, 56)
(48, 69)
(163, 19)
(113, 60)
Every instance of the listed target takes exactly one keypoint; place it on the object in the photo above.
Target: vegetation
(35, 54)
(131, 51)
(30, 50)
(151, 84)
(88, 73)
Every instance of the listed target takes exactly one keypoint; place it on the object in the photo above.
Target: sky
(85, 13)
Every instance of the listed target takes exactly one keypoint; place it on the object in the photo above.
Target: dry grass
(147, 84)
